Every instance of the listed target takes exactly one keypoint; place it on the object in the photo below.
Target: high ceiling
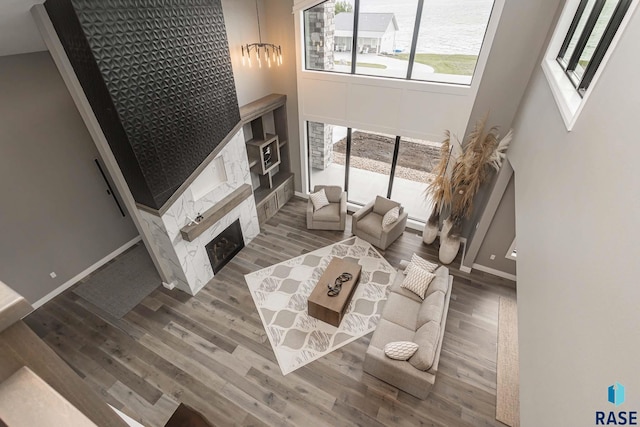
(18, 31)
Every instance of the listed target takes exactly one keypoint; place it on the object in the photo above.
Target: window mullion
(414, 40)
(347, 161)
(603, 44)
(354, 43)
(572, 28)
(586, 32)
(394, 162)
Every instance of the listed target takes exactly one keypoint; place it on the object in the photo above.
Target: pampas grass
(456, 191)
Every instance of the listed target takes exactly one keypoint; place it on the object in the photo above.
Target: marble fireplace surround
(185, 263)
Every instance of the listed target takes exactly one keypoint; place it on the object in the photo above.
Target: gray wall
(500, 234)
(56, 214)
(520, 36)
(577, 210)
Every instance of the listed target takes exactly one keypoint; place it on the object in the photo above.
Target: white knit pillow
(417, 280)
(424, 264)
(400, 350)
(319, 199)
(391, 216)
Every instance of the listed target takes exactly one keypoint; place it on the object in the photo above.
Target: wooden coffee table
(331, 309)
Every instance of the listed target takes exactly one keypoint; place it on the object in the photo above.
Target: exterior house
(376, 32)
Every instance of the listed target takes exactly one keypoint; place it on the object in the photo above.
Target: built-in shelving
(266, 138)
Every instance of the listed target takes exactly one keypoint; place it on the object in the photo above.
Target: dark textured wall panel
(167, 71)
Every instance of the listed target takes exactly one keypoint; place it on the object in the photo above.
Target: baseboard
(495, 272)
(301, 195)
(465, 269)
(84, 273)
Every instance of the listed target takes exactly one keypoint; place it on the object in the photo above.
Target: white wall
(577, 210)
(242, 27)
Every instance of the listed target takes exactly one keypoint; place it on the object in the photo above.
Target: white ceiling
(18, 31)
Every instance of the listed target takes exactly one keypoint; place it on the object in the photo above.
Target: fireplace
(225, 246)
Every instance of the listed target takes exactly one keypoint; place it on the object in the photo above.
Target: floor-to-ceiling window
(368, 164)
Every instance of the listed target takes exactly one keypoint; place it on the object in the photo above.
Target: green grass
(368, 65)
(445, 64)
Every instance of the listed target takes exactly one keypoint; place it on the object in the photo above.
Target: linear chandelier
(267, 52)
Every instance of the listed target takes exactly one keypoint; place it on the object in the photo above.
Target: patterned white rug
(280, 293)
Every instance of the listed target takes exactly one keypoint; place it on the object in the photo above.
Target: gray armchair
(367, 223)
(332, 216)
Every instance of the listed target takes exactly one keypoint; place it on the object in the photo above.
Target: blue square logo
(616, 394)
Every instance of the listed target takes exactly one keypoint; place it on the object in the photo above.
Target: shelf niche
(266, 137)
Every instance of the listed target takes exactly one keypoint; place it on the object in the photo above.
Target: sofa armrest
(363, 211)
(309, 212)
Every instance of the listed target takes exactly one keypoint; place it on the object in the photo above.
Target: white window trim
(510, 253)
(565, 94)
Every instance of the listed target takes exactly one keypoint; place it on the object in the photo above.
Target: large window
(589, 36)
(429, 40)
(367, 164)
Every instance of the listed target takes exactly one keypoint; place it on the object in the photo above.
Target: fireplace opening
(225, 246)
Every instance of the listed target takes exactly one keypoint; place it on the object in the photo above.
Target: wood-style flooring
(211, 352)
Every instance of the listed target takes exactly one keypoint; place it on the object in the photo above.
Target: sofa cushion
(383, 205)
(319, 199)
(400, 350)
(423, 263)
(417, 280)
(371, 224)
(427, 339)
(391, 216)
(329, 213)
(440, 282)
(401, 311)
(431, 309)
(387, 332)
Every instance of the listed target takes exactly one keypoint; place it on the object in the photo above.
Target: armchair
(367, 222)
(332, 216)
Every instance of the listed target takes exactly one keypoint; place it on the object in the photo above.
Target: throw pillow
(391, 216)
(417, 280)
(319, 199)
(423, 263)
(400, 350)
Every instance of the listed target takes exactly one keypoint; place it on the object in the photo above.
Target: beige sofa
(406, 317)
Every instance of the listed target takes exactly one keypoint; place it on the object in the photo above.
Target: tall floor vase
(449, 246)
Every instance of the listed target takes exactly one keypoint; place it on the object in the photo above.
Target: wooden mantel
(216, 212)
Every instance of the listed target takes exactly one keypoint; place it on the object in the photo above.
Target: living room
(559, 193)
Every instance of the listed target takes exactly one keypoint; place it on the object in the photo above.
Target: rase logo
(616, 396)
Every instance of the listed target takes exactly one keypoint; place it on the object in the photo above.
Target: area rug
(122, 284)
(280, 293)
(508, 383)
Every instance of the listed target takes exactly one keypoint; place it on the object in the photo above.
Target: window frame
(582, 83)
(568, 98)
(412, 52)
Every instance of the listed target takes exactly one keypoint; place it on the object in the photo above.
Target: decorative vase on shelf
(449, 246)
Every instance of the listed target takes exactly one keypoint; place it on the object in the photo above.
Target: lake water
(447, 26)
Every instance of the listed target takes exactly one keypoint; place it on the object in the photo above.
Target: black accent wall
(158, 76)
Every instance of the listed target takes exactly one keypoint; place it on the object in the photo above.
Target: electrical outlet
(492, 257)
(53, 275)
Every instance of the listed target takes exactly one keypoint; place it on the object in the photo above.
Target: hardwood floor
(211, 352)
